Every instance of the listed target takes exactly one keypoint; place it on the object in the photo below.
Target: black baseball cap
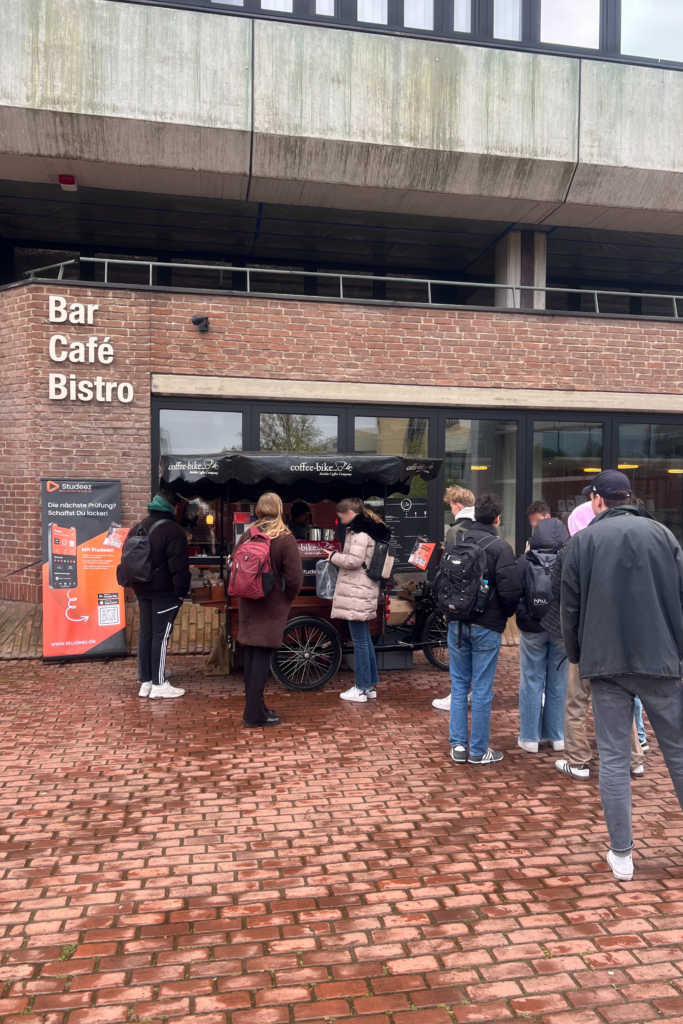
(608, 483)
(299, 508)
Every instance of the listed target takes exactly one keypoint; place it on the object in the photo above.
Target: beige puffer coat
(356, 595)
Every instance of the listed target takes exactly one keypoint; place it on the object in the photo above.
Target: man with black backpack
(478, 589)
(542, 657)
(154, 562)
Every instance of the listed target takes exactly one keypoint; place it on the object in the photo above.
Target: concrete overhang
(144, 98)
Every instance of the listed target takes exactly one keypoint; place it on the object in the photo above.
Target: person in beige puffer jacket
(356, 595)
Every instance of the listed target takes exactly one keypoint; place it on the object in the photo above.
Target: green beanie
(159, 504)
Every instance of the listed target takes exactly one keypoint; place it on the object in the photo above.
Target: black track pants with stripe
(156, 622)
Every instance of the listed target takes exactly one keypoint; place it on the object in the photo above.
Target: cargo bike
(313, 643)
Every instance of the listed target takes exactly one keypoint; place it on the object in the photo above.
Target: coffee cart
(313, 643)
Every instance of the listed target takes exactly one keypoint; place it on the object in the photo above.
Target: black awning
(247, 475)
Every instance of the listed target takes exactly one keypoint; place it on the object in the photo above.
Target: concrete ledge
(191, 386)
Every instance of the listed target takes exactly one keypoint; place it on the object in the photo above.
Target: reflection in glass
(571, 22)
(507, 19)
(296, 432)
(374, 11)
(199, 432)
(278, 5)
(325, 7)
(419, 14)
(481, 455)
(394, 435)
(651, 456)
(462, 15)
(652, 28)
(566, 458)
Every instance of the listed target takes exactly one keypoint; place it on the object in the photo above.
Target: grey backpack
(136, 556)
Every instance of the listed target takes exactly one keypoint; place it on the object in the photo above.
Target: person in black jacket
(474, 644)
(622, 621)
(160, 599)
(542, 657)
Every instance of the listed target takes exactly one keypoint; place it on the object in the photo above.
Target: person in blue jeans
(474, 643)
(543, 666)
(640, 725)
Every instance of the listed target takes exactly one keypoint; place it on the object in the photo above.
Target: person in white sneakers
(461, 502)
(356, 595)
(160, 599)
(621, 611)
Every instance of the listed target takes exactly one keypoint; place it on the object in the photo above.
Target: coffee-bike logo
(62, 349)
(337, 468)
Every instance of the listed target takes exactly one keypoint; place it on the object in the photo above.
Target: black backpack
(136, 556)
(382, 561)
(537, 586)
(462, 587)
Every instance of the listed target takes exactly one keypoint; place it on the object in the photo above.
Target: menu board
(407, 519)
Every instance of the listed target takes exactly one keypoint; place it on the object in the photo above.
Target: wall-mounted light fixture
(68, 183)
(201, 322)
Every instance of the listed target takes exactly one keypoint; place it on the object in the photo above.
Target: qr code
(108, 615)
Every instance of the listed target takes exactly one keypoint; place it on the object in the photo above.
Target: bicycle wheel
(434, 634)
(310, 655)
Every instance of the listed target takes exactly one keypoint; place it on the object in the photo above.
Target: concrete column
(521, 260)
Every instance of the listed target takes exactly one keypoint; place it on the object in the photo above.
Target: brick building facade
(588, 363)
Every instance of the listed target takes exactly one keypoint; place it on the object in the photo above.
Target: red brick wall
(151, 332)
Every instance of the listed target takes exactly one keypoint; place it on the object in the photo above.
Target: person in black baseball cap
(621, 612)
(610, 484)
(300, 519)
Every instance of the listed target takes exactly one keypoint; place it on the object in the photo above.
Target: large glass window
(566, 458)
(419, 14)
(298, 432)
(652, 28)
(571, 22)
(481, 455)
(287, 6)
(391, 435)
(507, 19)
(651, 456)
(462, 15)
(373, 11)
(199, 432)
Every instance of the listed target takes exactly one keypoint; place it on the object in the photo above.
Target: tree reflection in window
(298, 432)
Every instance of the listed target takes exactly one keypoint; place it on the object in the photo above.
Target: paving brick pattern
(160, 862)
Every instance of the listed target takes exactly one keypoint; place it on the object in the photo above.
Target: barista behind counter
(300, 520)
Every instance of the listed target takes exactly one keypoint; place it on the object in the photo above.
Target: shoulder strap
(154, 526)
(484, 542)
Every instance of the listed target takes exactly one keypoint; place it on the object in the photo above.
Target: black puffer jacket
(622, 597)
(549, 535)
(169, 558)
(506, 589)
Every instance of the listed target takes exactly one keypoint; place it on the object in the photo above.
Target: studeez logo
(338, 468)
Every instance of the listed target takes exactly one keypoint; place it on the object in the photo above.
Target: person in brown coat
(356, 595)
(262, 622)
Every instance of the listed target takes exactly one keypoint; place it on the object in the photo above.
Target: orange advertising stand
(83, 605)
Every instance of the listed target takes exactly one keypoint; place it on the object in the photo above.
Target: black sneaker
(459, 755)
(490, 757)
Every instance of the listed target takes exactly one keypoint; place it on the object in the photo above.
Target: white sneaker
(442, 703)
(638, 772)
(359, 696)
(371, 694)
(558, 745)
(581, 771)
(622, 867)
(145, 689)
(531, 746)
(166, 690)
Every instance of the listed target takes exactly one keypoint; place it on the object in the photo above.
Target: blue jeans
(543, 668)
(365, 663)
(640, 726)
(474, 662)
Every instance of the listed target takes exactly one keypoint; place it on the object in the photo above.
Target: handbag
(325, 579)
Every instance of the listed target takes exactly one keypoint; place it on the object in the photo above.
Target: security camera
(201, 322)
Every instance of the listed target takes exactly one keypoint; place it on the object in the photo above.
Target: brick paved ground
(161, 862)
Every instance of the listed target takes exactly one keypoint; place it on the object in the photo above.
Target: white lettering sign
(61, 349)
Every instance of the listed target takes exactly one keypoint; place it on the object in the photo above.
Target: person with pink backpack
(266, 575)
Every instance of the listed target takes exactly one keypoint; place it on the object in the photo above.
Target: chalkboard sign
(407, 519)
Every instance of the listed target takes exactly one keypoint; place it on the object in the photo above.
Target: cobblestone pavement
(159, 861)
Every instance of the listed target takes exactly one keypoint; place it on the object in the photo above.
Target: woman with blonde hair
(356, 595)
(262, 621)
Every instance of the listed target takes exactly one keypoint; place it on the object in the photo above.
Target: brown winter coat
(356, 595)
(262, 622)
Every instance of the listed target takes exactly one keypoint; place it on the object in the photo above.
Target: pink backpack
(252, 574)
